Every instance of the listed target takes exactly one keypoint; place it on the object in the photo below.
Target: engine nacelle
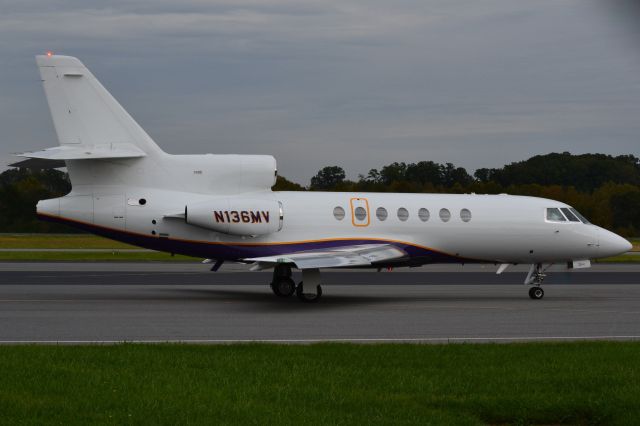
(236, 216)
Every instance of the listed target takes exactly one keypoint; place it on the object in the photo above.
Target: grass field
(78, 241)
(59, 241)
(115, 256)
(562, 383)
(624, 258)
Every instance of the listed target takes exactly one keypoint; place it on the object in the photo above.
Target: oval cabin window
(381, 214)
(423, 214)
(360, 213)
(465, 215)
(445, 215)
(338, 213)
(403, 214)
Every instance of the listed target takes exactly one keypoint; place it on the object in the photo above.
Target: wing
(356, 255)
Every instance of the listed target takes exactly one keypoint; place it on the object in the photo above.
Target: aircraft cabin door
(360, 212)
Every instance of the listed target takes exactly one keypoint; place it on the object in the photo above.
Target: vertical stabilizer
(107, 153)
(84, 113)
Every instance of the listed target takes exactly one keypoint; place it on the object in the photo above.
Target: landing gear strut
(535, 278)
(312, 279)
(282, 285)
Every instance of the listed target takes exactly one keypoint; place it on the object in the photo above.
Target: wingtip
(51, 60)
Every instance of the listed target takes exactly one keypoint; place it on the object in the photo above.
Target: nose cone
(612, 244)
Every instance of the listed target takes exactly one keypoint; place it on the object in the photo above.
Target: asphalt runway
(74, 303)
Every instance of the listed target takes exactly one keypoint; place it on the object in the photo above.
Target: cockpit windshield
(567, 213)
(554, 215)
(582, 218)
(564, 214)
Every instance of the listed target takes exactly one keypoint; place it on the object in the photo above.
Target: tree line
(604, 188)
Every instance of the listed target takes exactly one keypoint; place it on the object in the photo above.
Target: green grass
(59, 241)
(115, 256)
(562, 383)
(624, 258)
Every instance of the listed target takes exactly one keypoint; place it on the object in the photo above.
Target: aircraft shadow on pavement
(265, 300)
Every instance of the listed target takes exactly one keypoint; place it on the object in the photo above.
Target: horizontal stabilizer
(357, 255)
(38, 164)
(86, 152)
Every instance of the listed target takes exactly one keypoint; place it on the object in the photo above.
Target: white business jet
(222, 208)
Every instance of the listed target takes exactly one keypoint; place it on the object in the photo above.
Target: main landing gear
(535, 278)
(283, 285)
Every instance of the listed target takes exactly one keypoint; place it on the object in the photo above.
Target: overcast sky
(335, 82)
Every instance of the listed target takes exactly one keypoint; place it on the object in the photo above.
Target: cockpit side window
(554, 215)
(582, 218)
(572, 217)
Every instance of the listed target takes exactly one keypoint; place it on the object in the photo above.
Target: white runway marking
(312, 341)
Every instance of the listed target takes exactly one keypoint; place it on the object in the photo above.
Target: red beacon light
(49, 53)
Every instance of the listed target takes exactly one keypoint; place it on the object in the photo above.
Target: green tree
(394, 172)
(20, 191)
(283, 184)
(328, 178)
(625, 210)
(425, 172)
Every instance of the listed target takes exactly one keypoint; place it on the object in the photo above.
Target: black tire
(281, 271)
(306, 297)
(536, 293)
(284, 287)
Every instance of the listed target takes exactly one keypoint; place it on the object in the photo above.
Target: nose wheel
(535, 277)
(536, 293)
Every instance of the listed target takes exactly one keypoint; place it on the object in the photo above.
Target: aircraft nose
(612, 244)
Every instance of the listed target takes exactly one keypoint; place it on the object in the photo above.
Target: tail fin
(107, 152)
(84, 113)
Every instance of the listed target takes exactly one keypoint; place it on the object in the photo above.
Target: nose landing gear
(535, 277)
(536, 293)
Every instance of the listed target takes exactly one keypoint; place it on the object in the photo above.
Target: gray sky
(336, 82)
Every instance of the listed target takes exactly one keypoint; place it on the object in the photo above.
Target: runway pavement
(177, 302)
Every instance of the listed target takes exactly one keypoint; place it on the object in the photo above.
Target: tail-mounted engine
(236, 216)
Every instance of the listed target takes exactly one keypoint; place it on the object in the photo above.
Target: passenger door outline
(359, 202)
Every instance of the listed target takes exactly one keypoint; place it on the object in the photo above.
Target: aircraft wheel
(307, 297)
(536, 293)
(283, 287)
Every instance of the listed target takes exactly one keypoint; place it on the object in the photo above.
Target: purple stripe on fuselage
(235, 252)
